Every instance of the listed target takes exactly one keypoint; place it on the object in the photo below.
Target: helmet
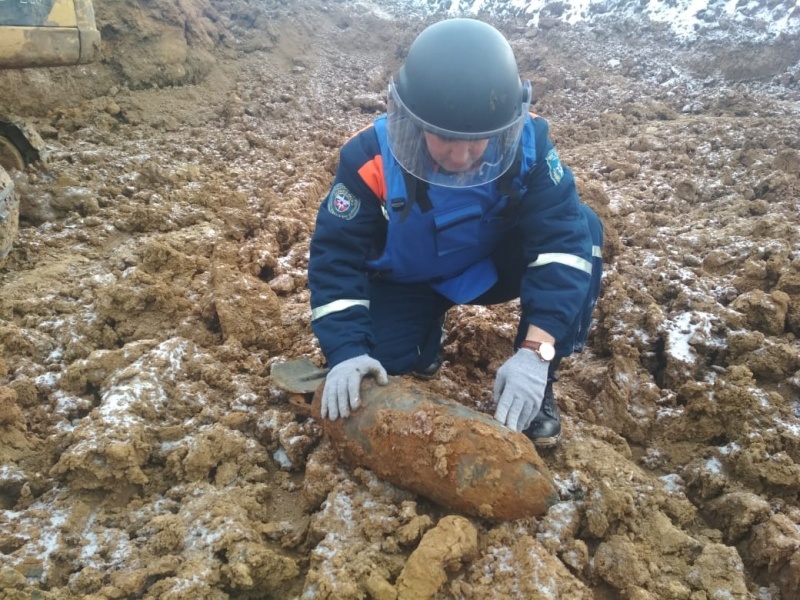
(459, 82)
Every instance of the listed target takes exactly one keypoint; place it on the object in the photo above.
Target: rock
(112, 108)
(619, 550)
(719, 567)
(736, 513)
(282, 284)
(442, 549)
(246, 306)
(773, 547)
(764, 312)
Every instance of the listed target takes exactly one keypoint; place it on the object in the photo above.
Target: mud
(160, 270)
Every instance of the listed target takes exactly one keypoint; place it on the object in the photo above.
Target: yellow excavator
(36, 33)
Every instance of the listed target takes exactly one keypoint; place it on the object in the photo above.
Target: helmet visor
(451, 158)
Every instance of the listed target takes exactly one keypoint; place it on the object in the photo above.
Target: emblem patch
(554, 164)
(342, 203)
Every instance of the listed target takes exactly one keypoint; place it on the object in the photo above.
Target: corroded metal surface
(462, 459)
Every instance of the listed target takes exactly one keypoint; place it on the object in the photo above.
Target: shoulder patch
(554, 165)
(342, 202)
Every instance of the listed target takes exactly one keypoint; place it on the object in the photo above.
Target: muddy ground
(160, 270)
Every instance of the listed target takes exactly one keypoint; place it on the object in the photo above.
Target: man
(455, 196)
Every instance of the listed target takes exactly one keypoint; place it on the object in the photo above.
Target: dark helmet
(460, 75)
(459, 82)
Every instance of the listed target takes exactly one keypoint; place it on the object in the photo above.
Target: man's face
(456, 156)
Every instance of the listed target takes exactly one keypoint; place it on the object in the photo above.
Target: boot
(432, 370)
(545, 430)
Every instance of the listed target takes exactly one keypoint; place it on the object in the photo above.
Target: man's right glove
(519, 389)
(343, 383)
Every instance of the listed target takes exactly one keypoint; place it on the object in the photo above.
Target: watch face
(547, 351)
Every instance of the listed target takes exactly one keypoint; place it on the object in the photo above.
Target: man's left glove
(343, 383)
(519, 389)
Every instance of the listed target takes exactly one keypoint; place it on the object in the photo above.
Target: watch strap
(535, 347)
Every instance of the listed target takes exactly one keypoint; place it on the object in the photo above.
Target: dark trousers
(407, 318)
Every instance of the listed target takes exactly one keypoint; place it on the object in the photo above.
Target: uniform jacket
(370, 225)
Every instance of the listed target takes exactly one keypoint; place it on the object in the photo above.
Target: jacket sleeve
(349, 228)
(557, 243)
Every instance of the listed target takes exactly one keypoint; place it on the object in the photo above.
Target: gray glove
(343, 383)
(519, 389)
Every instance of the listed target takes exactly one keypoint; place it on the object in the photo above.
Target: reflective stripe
(597, 252)
(569, 260)
(336, 306)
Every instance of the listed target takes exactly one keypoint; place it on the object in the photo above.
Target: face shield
(488, 154)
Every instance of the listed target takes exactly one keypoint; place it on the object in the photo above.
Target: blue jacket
(448, 243)
(366, 227)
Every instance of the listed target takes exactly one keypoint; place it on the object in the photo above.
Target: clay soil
(160, 271)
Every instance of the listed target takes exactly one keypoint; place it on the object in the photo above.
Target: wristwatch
(545, 350)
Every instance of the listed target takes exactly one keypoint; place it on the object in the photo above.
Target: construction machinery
(36, 33)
